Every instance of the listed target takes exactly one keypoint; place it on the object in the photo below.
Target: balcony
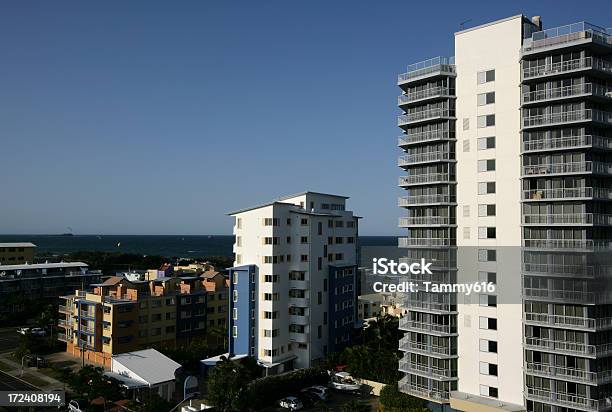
(64, 324)
(568, 219)
(426, 221)
(298, 337)
(426, 179)
(425, 116)
(64, 309)
(299, 302)
(575, 116)
(561, 295)
(423, 137)
(568, 142)
(62, 337)
(569, 66)
(422, 391)
(430, 328)
(426, 370)
(426, 349)
(568, 348)
(568, 322)
(564, 36)
(566, 92)
(587, 167)
(561, 373)
(572, 193)
(571, 244)
(428, 157)
(425, 94)
(558, 270)
(407, 242)
(298, 320)
(434, 307)
(562, 399)
(438, 66)
(420, 200)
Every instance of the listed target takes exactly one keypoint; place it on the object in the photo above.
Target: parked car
(308, 399)
(343, 381)
(291, 402)
(320, 391)
(38, 332)
(23, 331)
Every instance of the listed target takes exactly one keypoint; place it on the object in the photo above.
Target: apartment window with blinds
(486, 210)
(466, 211)
(486, 98)
(466, 145)
(485, 188)
(487, 255)
(486, 165)
(486, 143)
(466, 232)
(486, 121)
(485, 76)
(486, 232)
(466, 123)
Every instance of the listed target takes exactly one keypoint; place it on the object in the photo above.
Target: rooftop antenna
(462, 24)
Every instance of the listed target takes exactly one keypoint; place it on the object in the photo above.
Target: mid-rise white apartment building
(508, 171)
(293, 293)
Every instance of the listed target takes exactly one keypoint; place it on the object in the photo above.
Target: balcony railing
(425, 199)
(438, 307)
(586, 244)
(427, 68)
(567, 117)
(424, 115)
(567, 193)
(411, 242)
(422, 391)
(429, 92)
(577, 322)
(574, 348)
(408, 159)
(425, 178)
(427, 327)
(568, 142)
(568, 295)
(567, 168)
(422, 137)
(561, 372)
(426, 221)
(561, 398)
(567, 66)
(568, 219)
(566, 91)
(560, 36)
(426, 370)
(433, 350)
(560, 270)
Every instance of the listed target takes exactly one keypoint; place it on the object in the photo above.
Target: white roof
(44, 266)
(149, 365)
(18, 244)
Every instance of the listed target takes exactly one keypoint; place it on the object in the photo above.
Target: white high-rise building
(508, 171)
(294, 281)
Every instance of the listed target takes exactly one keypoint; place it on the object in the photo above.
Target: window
(238, 223)
(488, 323)
(339, 223)
(488, 368)
(485, 76)
(487, 232)
(271, 296)
(270, 221)
(270, 333)
(466, 232)
(271, 278)
(487, 165)
(350, 240)
(288, 221)
(466, 145)
(488, 346)
(319, 298)
(486, 143)
(350, 224)
(320, 263)
(486, 188)
(466, 211)
(303, 258)
(238, 259)
(320, 228)
(270, 240)
(339, 240)
(466, 123)
(486, 98)
(488, 300)
(238, 241)
(486, 210)
(304, 221)
(319, 331)
(270, 315)
(489, 277)
(487, 255)
(304, 239)
(288, 239)
(339, 256)
(486, 121)
(235, 331)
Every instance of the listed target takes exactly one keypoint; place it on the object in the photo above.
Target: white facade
(292, 242)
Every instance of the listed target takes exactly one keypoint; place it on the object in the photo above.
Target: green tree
(91, 383)
(392, 400)
(355, 406)
(227, 384)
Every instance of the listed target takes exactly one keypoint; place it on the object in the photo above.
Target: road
(9, 383)
(9, 339)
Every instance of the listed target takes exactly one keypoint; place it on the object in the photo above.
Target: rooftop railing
(427, 67)
(568, 34)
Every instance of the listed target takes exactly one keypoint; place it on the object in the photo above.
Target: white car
(320, 391)
(23, 331)
(38, 332)
(343, 381)
(291, 402)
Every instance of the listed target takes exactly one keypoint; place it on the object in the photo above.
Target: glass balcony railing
(568, 142)
(567, 66)
(566, 92)
(437, 65)
(430, 92)
(424, 115)
(568, 219)
(423, 137)
(583, 244)
(404, 242)
(567, 193)
(409, 159)
(560, 372)
(426, 221)
(433, 350)
(427, 370)
(558, 269)
(422, 391)
(425, 179)
(567, 168)
(571, 33)
(567, 117)
(560, 398)
(569, 322)
(413, 325)
(425, 199)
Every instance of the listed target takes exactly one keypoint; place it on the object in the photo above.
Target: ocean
(167, 245)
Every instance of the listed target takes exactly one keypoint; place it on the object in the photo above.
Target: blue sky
(158, 117)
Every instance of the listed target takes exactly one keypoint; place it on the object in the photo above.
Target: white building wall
(494, 46)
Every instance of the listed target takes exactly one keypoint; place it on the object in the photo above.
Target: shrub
(392, 400)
